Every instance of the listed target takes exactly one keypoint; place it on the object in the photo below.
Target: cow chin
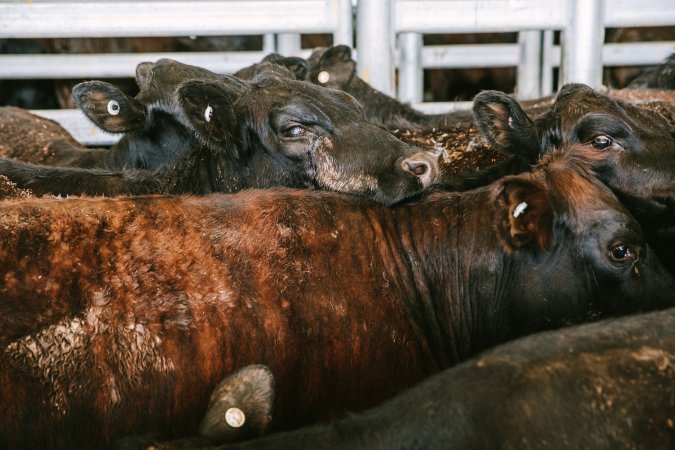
(329, 175)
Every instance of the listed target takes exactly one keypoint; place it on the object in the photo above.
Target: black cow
(635, 148)
(119, 315)
(271, 131)
(153, 135)
(606, 385)
(659, 77)
(334, 67)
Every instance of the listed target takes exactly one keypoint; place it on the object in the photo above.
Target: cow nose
(423, 165)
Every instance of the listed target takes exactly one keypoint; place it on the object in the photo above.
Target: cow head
(637, 146)
(296, 67)
(153, 135)
(332, 67)
(572, 239)
(299, 134)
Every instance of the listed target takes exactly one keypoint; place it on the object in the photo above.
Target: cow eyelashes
(113, 108)
(602, 142)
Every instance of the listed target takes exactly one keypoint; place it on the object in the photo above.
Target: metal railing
(71, 18)
(382, 24)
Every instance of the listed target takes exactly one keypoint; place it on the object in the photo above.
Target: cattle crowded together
(278, 259)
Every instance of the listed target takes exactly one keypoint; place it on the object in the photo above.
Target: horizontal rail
(117, 65)
(79, 126)
(53, 19)
(628, 53)
(470, 16)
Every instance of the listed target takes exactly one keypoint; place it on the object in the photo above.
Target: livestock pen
(350, 242)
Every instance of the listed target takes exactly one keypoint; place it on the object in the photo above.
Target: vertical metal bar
(344, 31)
(410, 71)
(529, 65)
(584, 37)
(375, 44)
(547, 64)
(269, 45)
(288, 44)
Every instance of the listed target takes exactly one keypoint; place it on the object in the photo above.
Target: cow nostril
(416, 167)
(422, 165)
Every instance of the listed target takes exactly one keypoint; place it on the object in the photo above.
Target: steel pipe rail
(580, 56)
(109, 18)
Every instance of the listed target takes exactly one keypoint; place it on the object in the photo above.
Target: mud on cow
(269, 132)
(603, 385)
(119, 316)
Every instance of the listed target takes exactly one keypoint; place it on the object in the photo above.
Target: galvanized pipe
(528, 74)
(582, 43)
(410, 71)
(375, 44)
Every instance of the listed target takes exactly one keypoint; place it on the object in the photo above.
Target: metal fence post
(375, 44)
(288, 44)
(582, 42)
(344, 33)
(529, 65)
(410, 71)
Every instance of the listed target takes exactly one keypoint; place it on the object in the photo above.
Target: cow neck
(456, 269)
(380, 107)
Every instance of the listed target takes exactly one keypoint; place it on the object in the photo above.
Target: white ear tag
(520, 209)
(113, 108)
(235, 417)
(207, 113)
(323, 77)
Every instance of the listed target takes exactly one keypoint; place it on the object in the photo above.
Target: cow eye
(601, 142)
(294, 131)
(621, 253)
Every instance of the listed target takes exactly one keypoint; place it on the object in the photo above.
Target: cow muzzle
(424, 165)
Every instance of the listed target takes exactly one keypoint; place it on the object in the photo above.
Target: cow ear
(336, 67)
(502, 121)
(208, 107)
(336, 55)
(297, 66)
(143, 73)
(108, 107)
(524, 216)
(240, 407)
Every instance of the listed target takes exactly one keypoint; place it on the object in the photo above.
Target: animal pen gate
(388, 36)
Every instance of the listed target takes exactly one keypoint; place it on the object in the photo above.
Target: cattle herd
(275, 259)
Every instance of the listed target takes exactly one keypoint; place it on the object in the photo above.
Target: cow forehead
(570, 107)
(273, 93)
(572, 183)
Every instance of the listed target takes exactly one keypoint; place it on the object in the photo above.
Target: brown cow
(604, 385)
(119, 315)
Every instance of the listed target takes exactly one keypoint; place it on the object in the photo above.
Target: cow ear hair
(143, 73)
(297, 66)
(108, 107)
(208, 108)
(524, 214)
(502, 121)
(336, 55)
(240, 407)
